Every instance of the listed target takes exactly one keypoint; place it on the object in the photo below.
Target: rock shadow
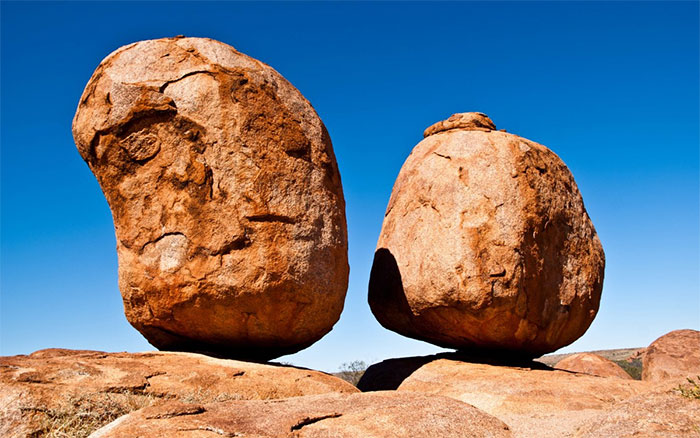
(389, 374)
(386, 296)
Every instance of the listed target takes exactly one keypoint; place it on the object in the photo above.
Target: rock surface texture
(535, 402)
(225, 194)
(376, 415)
(656, 414)
(675, 355)
(51, 385)
(486, 244)
(593, 364)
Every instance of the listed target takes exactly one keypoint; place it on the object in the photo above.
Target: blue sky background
(612, 88)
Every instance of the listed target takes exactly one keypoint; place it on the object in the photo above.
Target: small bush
(691, 391)
(352, 372)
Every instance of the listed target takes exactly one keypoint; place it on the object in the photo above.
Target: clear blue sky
(610, 87)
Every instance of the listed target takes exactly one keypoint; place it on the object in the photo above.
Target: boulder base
(379, 415)
(50, 386)
(533, 400)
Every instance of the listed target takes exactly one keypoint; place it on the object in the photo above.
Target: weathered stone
(377, 415)
(486, 244)
(225, 194)
(533, 400)
(675, 356)
(655, 414)
(593, 364)
(48, 385)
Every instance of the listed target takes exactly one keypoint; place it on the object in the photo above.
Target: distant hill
(630, 359)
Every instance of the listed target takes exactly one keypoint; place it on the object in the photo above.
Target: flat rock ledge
(49, 386)
(379, 415)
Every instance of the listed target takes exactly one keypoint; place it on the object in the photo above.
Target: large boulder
(675, 356)
(486, 245)
(379, 415)
(593, 364)
(49, 389)
(534, 400)
(225, 194)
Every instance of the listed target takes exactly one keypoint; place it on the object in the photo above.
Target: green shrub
(633, 367)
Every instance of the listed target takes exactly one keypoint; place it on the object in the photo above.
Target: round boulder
(675, 355)
(486, 245)
(593, 364)
(226, 198)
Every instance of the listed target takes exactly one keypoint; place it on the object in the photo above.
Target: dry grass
(79, 416)
(206, 396)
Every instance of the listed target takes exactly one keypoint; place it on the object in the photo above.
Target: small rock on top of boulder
(226, 198)
(376, 415)
(675, 355)
(486, 245)
(593, 364)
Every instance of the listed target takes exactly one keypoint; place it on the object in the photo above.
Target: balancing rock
(486, 245)
(226, 198)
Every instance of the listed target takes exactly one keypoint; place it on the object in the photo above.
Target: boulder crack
(271, 217)
(192, 73)
(162, 236)
(311, 420)
(443, 156)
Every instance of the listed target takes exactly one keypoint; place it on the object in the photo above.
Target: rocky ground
(69, 393)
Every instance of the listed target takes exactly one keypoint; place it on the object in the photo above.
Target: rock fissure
(186, 75)
(271, 217)
(311, 420)
(180, 412)
(161, 237)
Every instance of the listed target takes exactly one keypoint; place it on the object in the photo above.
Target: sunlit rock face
(486, 245)
(674, 356)
(226, 198)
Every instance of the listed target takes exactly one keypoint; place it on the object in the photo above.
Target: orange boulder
(486, 245)
(226, 198)
(593, 364)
